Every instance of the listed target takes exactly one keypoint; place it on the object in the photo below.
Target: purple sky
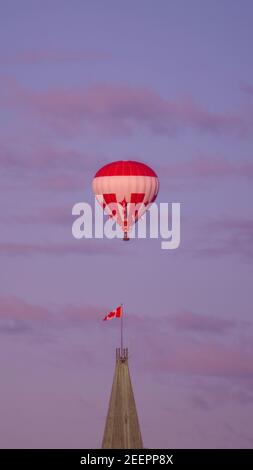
(169, 83)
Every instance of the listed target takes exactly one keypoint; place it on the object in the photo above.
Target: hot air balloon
(125, 189)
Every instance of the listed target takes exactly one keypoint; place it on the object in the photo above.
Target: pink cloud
(76, 247)
(219, 394)
(79, 313)
(43, 157)
(201, 323)
(181, 351)
(242, 227)
(247, 88)
(208, 358)
(21, 312)
(60, 215)
(231, 236)
(51, 56)
(122, 109)
(50, 215)
(208, 167)
(14, 308)
(61, 182)
(77, 163)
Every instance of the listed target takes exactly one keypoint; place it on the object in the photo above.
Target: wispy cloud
(247, 88)
(14, 327)
(208, 167)
(212, 395)
(43, 157)
(177, 351)
(231, 236)
(122, 109)
(84, 313)
(191, 344)
(207, 358)
(76, 247)
(15, 308)
(18, 315)
(61, 181)
(52, 56)
(60, 215)
(193, 321)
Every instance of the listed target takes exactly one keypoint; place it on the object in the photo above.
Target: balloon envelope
(125, 189)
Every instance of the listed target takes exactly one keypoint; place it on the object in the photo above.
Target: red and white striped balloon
(125, 189)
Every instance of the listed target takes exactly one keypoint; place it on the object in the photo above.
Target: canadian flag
(117, 313)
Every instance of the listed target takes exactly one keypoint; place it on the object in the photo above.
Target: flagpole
(121, 331)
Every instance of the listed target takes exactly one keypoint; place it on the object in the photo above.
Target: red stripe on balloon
(125, 168)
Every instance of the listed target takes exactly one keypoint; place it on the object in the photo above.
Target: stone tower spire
(122, 430)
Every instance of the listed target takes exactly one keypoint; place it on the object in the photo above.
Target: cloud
(201, 323)
(19, 316)
(11, 327)
(228, 354)
(160, 349)
(61, 182)
(218, 393)
(206, 358)
(80, 313)
(242, 227)
(53, 56)
(208, 167)
(64, 169)
(200, 402)
(247, 88)
(51, 215)
(77, 247)
(44, 158)
(15, 308)
(231, 236)
(123, 110)
(198, 345)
